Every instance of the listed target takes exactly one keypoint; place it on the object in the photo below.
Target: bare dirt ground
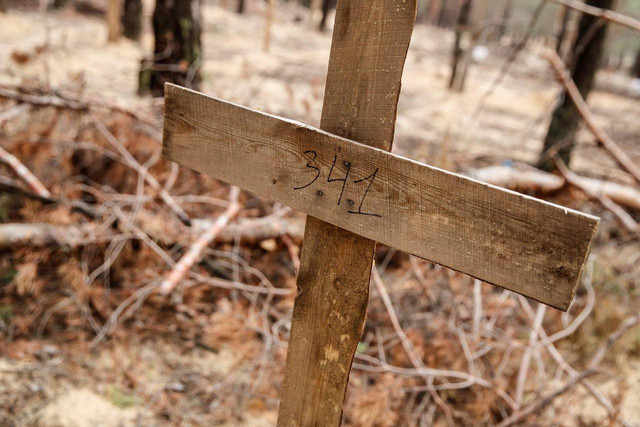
(154, 377)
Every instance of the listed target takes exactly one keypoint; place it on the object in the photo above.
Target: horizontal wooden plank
(514, 241)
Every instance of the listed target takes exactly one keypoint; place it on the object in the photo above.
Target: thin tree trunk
(506, 15)
(435, 6)
(327, 5)
(177, 51)
(241, 5)
(132, 19)
(635, 72)
(456, 80)
(113, 20)
(562, 131)
(59, 4)
(562, 32)
(269, 21)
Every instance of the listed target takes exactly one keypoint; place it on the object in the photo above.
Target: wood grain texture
(368, 50)
(523, 244)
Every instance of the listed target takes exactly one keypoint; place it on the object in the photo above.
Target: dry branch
(534, 180)
(14, 111)
(40, 234)
(607, 14)
(195, 251)
(23, 172)
(545, 401)
(623, 217)
(565, 78)
(150, 179)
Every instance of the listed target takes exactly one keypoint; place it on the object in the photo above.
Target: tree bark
(327, 5)
(506, 15)
(635, 72)
(588, 48)
(132, 19)
(562, 32)
(456, 82)
(113, 20)
(59, 4)
(177, 51)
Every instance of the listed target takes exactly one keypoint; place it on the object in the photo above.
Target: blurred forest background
(93, 220)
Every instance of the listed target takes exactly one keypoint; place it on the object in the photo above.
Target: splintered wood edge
(173, 92)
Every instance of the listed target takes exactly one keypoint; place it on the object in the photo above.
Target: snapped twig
(24, 173)
(195, 251)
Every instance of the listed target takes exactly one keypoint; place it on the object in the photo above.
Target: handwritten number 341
(313, 155)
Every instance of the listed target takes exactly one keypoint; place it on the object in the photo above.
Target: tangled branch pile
(94, 222)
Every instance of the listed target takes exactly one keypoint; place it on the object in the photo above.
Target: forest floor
(196, 365)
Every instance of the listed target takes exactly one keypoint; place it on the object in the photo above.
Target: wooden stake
(368, 50)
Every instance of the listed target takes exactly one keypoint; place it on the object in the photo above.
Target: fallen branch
(195, 251)
(41, 234)
(70, 103)
(13, 112)
(535, 180)
(23, 172)
(150, 179)
(545, 401)
(607, 14)
(623, 217)
(565, 78)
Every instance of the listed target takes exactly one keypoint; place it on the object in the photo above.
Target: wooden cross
(356, 193)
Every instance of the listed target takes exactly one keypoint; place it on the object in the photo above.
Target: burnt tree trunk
(132, 19)
(635, 72)
(327, 5)
(456, 82)
(562, 131)
(177, 51)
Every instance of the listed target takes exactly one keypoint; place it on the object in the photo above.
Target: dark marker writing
(359, 211)
(344, 180)
(310, 166)
(331, 178)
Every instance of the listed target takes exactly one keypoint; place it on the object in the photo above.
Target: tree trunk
(59, 4)
(562, 32)
(3, 6)
(327, 5)
(113, 20)
(433, 12)
(240, 8)
(456, 82)
(635, 72)
(562, 131)
(132, 19)
(177, 51)
(506, 15)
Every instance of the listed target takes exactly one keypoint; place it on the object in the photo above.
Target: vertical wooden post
(368, 50)
(113, 20)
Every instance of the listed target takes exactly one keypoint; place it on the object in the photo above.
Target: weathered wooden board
(368, 50)
(521, 243)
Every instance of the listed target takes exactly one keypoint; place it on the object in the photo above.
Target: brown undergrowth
(83, 317)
